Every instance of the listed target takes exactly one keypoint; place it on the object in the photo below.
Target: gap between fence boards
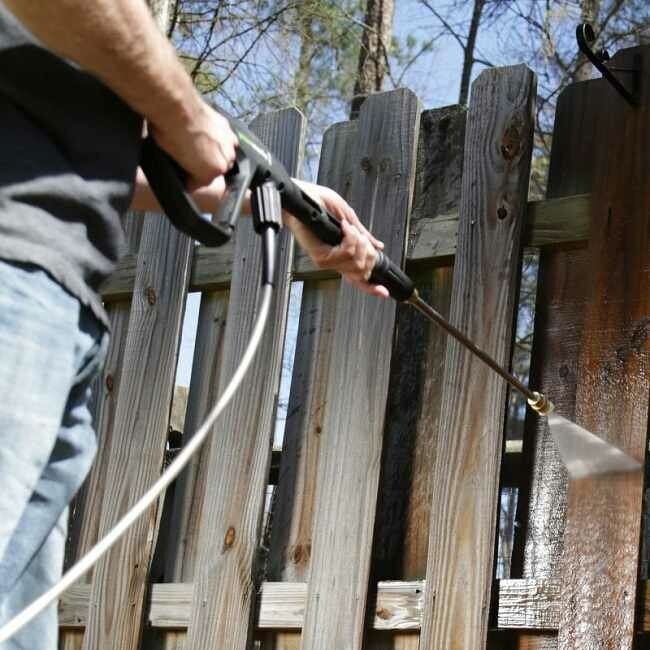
(523, 605)
(551, 221)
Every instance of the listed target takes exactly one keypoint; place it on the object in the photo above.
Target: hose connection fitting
(541, 404)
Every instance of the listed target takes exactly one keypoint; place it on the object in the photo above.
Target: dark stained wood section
(602, 535)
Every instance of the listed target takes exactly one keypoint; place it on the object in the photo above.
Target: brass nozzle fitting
(541, 403)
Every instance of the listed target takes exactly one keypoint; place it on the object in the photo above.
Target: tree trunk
(468, 58)
(306, 11)
(373, 55)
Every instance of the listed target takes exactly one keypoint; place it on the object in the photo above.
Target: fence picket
(498, 146)
(348, 473)
(601, 551)
(415, 392)
(240, 453)
(140, 433)
(561, 296)
(291, 530)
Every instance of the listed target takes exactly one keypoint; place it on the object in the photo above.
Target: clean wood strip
(291, 531)
(85, 511)
(415, 392)
(140, 433)
(601, 557)
(465, 493)
(241, 449)
(353, 422)
(523, 605)
(552, 221)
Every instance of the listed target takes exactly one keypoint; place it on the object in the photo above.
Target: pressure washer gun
(255, 167)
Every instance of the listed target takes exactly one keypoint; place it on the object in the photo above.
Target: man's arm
(119, 42)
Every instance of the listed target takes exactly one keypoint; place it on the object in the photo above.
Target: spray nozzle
(540, 403)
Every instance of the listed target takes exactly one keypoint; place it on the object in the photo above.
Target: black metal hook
(585, 36)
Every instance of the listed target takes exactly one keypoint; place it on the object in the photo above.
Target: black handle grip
(328, 230)
(387, 273)
(166, 177)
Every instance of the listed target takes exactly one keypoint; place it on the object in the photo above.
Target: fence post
(601, 553)
(351, 438)
(498, 146)
(240, 454)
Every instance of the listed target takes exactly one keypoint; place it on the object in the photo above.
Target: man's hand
(354, 258)
(204, 147)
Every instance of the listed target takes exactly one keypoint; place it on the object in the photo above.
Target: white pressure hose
(88, 560)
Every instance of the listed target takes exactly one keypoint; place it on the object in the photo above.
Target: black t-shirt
(69, 149)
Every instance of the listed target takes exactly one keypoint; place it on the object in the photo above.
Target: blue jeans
(50, 349)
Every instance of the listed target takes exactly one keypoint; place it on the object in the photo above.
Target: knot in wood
(383, 614)
(110, 382)
(502, 213)
(151, 296)
(511, 142)
(366, 164)
(229, 539)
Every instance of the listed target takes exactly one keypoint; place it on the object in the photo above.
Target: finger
(351, 216)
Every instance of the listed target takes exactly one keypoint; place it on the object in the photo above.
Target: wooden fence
(385, 513)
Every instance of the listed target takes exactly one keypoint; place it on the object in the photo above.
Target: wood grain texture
(140, 433)
(241, 450)
(559, 317)
(415, 392)
(85, 511)
(523, 605)
(382, 186)
(602, 535)
(464, 512)
(291, 532)
(550, 222)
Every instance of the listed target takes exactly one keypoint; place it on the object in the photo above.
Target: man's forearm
(119, 42)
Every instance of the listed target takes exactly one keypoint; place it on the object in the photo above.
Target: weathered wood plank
(282, 606)
(559, 315)
(85, 511)
(382, 186)
(414, 403)
(601, 557)
(463, 516)
(140, 432)
(291, 532)
(241, 450)
(552, 221)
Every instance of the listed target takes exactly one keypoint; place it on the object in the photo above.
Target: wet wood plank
(561, 298)
(239, 459)
(348, 473)
(553, 221)
(498, 146)
(601, 556)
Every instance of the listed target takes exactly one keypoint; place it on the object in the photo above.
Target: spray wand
(583, 453)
